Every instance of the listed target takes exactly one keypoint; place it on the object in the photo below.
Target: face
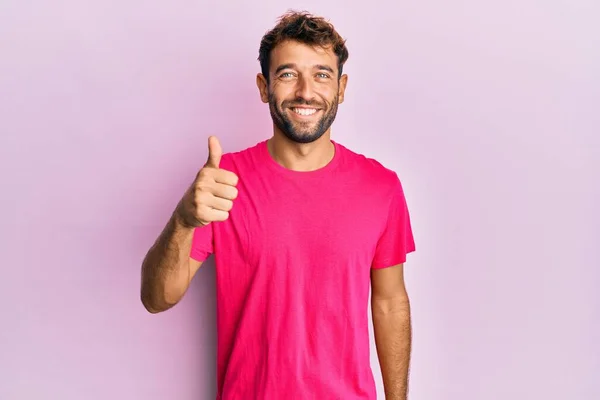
(304, 90)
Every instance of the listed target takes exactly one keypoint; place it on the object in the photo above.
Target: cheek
(278, 94)
(329, 93)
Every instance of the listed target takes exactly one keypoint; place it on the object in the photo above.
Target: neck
(302, 157)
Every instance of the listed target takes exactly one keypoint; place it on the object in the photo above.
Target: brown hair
(305, 28)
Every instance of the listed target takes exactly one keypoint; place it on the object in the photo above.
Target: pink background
(489, 111)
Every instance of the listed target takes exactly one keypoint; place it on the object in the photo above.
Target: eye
(323, 75)
(286, 75)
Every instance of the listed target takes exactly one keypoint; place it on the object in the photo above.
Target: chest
(336, 223)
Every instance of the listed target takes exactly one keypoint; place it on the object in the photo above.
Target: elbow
(159, 294)
(390, 306)
(151, 303)
(151, 308)
(157, 301)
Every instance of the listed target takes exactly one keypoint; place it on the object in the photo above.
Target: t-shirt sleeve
(202, 243)
(397, 239)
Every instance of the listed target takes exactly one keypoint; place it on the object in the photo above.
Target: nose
(305, 88)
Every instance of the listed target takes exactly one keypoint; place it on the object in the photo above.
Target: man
(301, 229)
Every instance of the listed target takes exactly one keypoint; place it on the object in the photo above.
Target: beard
(302, 132)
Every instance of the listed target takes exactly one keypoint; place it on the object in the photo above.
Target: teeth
(305, 111)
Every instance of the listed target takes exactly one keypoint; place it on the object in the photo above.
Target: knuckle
(203, 214)
(205, 174)
(202, 197)
(201, 185)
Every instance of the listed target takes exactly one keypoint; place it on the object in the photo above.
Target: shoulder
(370, 169)
(242, 160)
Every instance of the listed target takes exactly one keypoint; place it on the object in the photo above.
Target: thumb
(214, 152)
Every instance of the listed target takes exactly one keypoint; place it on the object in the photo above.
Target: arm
(167, 269)
(392, 328)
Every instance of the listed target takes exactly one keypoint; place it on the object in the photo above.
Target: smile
(305, 111)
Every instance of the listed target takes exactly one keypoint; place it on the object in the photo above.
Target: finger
(215, 152)
(209, 214)
(219, 203)
(218, 215)
(227, 192)
(225, 177)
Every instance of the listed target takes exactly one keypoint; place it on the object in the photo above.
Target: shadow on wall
(203, 299)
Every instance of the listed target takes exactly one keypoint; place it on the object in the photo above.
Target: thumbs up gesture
(210, 197)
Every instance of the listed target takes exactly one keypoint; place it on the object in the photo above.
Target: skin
(301, 76)
(306, 77)
(390, 308)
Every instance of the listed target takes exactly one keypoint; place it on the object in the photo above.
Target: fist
(210, 197)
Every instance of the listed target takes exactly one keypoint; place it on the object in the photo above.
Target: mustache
(302, 102)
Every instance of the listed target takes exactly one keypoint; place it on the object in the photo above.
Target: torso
(293, 271)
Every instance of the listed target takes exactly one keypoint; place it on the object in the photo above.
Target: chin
(303, 137)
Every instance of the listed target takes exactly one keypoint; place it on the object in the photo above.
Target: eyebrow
(290, 66)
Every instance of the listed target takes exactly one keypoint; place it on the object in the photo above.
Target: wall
(487, 110)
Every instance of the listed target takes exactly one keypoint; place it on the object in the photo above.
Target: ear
(263, 87)
(342, 88)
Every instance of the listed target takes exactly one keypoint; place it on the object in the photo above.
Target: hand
(210, 197)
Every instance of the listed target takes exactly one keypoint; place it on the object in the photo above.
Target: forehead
(303, 55)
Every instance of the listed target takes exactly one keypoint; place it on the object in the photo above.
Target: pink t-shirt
(293, 274)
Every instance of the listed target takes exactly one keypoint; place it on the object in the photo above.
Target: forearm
(166, 268)
(393, 338)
